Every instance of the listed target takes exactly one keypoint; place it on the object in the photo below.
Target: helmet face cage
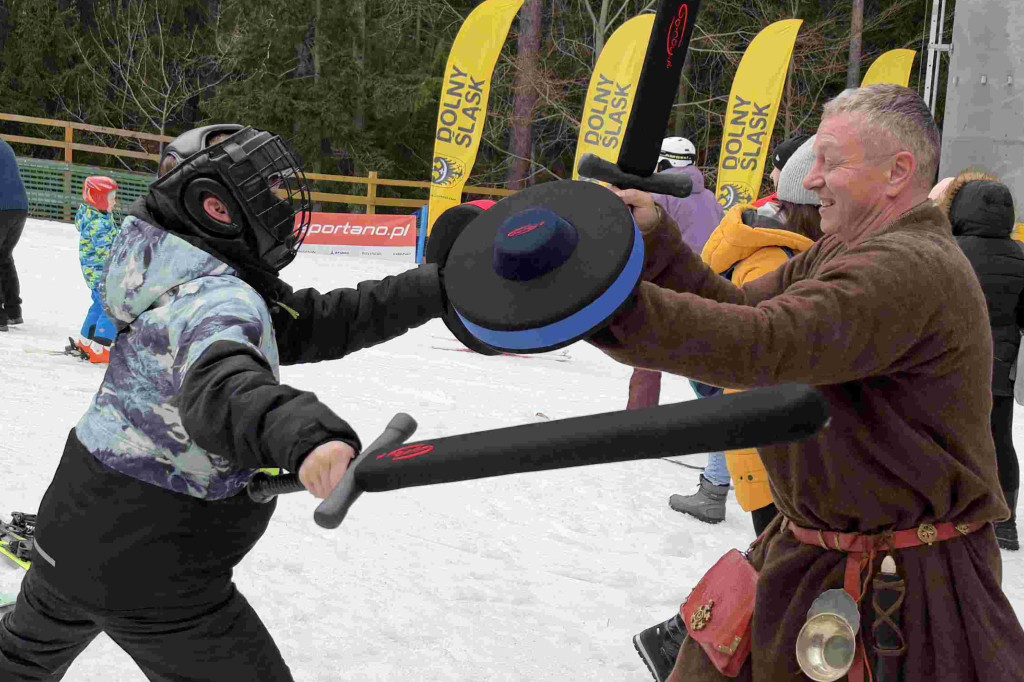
(266, 180)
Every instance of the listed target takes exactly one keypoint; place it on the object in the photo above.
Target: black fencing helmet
(192, 142)
(259, 181)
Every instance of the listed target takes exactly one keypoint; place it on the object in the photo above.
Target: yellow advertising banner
(611, 91)
(892, 67)
(464, 95)
(750, 117)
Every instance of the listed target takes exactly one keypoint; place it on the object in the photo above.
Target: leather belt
(862, 549)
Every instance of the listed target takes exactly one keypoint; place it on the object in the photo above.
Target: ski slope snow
(537, 577)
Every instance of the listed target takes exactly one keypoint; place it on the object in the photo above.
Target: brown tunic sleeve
(829, 316)
(670, 264)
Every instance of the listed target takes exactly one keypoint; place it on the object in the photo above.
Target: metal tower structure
(984, 117)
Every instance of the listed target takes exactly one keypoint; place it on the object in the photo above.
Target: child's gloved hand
(323, 468)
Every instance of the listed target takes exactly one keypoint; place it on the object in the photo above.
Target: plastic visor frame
(579, 323)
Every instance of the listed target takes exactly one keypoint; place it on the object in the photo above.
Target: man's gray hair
(898, 118)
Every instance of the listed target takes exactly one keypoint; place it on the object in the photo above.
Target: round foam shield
(545, 267)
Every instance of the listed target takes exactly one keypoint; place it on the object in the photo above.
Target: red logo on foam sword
(408, 452)
(676, 31)
(520, 231)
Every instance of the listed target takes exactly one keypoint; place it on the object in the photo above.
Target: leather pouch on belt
(718, 612)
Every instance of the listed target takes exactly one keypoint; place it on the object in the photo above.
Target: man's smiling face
(848, 180)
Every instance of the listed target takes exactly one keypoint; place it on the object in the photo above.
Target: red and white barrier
(358, 234)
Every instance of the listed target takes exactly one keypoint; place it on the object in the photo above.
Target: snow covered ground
(533, 577)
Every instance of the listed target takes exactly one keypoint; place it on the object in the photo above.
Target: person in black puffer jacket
(980, 209)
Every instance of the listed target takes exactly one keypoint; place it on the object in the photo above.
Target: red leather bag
(718, 612)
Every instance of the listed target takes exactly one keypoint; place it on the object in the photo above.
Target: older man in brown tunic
(886, 317)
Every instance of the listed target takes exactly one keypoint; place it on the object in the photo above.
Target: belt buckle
(927, 533)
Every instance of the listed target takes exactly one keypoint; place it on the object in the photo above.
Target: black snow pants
(151, 568)
(222, 640)
(11, 225)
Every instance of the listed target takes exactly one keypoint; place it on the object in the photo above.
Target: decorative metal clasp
(702, 616)
(927, 533)
(963, 528)
(731, 649)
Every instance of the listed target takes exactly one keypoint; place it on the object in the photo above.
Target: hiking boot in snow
(659, 646)
(16, 320)
(707, 504)
(3, 327)
(1006, 535)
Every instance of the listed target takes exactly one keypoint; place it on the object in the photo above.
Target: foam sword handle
(263, 487)
(750, 419)
(331, 512)
(674, 184)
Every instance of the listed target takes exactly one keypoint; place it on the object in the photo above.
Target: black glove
(446, 230)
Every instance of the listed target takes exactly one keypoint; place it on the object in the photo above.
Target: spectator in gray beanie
(767, 206)
(798, 207)
(13, 212)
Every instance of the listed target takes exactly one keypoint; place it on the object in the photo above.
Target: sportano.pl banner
(359, 234)
(464, 95)
(611, 91)
(892, 67)
(750, 117)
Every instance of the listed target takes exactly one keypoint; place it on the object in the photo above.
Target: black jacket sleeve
(311, 326)
(232, 405)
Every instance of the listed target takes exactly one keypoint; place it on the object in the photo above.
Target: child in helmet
(96, 227)
(146, 516)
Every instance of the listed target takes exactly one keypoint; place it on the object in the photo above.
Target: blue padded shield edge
(577, 325)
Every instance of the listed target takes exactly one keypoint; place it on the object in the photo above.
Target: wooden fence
(151, 143)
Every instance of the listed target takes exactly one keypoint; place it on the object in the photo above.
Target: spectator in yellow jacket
(747, 246)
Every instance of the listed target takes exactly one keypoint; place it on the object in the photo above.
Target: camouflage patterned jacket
(191, 400)
(96, 231)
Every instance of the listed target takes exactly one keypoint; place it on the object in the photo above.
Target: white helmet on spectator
(676, 152)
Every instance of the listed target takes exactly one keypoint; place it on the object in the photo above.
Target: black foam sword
(656, 90)
(755, 418)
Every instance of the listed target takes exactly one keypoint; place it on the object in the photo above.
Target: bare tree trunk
(6, 24)
(525, 101)
(601, 27)
(305, 67)
(856, 34)
(318, 24)
(677, 125)
(788, 125)
(358, 16)
(790, 98)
